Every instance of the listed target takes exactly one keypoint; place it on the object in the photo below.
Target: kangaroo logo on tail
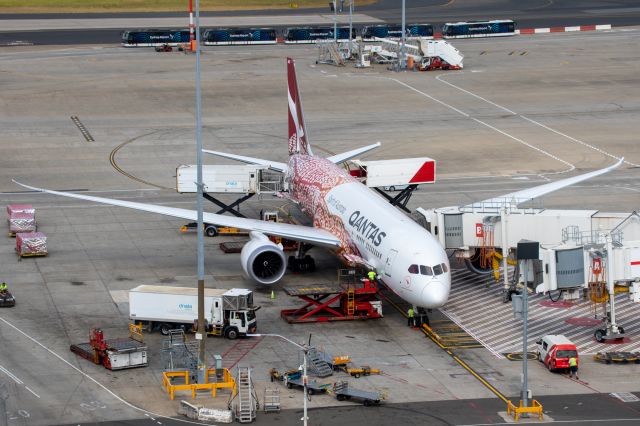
(298, 143)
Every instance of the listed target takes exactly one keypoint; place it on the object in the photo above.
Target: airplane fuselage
(406, 257)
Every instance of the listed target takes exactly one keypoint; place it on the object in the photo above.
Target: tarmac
(525, 110)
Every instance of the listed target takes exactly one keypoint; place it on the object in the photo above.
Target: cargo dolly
(618, 357)
(293, 379)
(114, 354)
(213, 230)
(342, 391)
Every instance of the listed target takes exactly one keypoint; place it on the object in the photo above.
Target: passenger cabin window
(413, 269)
(437, 269)
(426, 270)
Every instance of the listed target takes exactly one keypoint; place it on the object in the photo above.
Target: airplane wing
(538, 191)
(305, 234)
(274, 165)
(339, 158)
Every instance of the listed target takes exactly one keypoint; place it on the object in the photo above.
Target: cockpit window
(444, 267)
(425, 270)
(437, 269)
(413, 269)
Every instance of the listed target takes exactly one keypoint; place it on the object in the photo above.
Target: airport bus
(227, 36)
(314, 34)
(150, 38)
(479, 29)
(395, 31)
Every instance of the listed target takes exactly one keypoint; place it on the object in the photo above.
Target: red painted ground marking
(559, 304)
(583, 321)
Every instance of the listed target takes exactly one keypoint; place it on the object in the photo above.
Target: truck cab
(239, 323)
(555, 350)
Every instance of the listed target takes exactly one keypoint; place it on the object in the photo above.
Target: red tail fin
(297, 134)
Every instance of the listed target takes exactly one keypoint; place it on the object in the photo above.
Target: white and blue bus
(150, 38)
(228, 36)
(395, 31)
(298, 35)
(469, 29)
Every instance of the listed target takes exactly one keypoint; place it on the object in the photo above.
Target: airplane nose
(435, 294)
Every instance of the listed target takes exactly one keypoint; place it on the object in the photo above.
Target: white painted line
(576, 140)
(570, 29)
(541, 151)
(474, 95)
(603, 27)
(542, 30)
(82, 373)
(439, 78)
(27, 388)
(11, 375)
(428, 96)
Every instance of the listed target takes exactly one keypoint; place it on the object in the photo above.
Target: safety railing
(517, 412)
(226, 381)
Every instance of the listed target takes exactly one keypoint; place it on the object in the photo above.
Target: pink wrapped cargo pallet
(21, 222)
(20, 208)
(31, 244)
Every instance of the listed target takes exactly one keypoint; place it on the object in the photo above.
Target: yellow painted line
(112, 160)
(464, 365)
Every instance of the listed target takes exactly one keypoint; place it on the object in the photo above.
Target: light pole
(350, 25)
(304, 370)
(201, 332)
(403, 60)
(335, 21)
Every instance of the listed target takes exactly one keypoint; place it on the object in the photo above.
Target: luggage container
(21, 222)
(31, 244)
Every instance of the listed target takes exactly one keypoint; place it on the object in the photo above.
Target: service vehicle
(228, 313)
(6, 299)
(554, 350)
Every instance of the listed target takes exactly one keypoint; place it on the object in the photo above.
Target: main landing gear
(302, 262)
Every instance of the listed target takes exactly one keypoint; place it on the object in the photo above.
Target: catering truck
(228, 313)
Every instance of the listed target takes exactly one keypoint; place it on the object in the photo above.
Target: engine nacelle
(263, 260)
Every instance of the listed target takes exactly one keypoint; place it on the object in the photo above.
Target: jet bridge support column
(505, 250)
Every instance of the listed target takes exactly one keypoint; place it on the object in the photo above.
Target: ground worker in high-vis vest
(573, 367)
(372, 276)
(411, 317)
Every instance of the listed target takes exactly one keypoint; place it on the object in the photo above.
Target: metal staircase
(246, 403)
(317, 365)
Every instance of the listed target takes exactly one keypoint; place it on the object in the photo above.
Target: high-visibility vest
(410, 313)
(573, 362)
(372, 275)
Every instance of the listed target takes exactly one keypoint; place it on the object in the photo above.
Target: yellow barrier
(535, 408)
(227, 382)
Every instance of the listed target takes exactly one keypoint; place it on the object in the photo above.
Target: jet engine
(263, 260)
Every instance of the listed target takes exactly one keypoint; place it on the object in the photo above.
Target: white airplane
(349, 218)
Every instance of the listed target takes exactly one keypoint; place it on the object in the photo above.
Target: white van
(554, 350)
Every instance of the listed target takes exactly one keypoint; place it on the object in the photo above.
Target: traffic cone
(273, 295)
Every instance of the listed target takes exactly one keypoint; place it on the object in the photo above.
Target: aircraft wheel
(620, 330)
(599, 335)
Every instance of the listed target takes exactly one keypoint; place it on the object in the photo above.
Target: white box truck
(228, 313)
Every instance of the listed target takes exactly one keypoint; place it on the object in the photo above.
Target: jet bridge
(583, 253)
